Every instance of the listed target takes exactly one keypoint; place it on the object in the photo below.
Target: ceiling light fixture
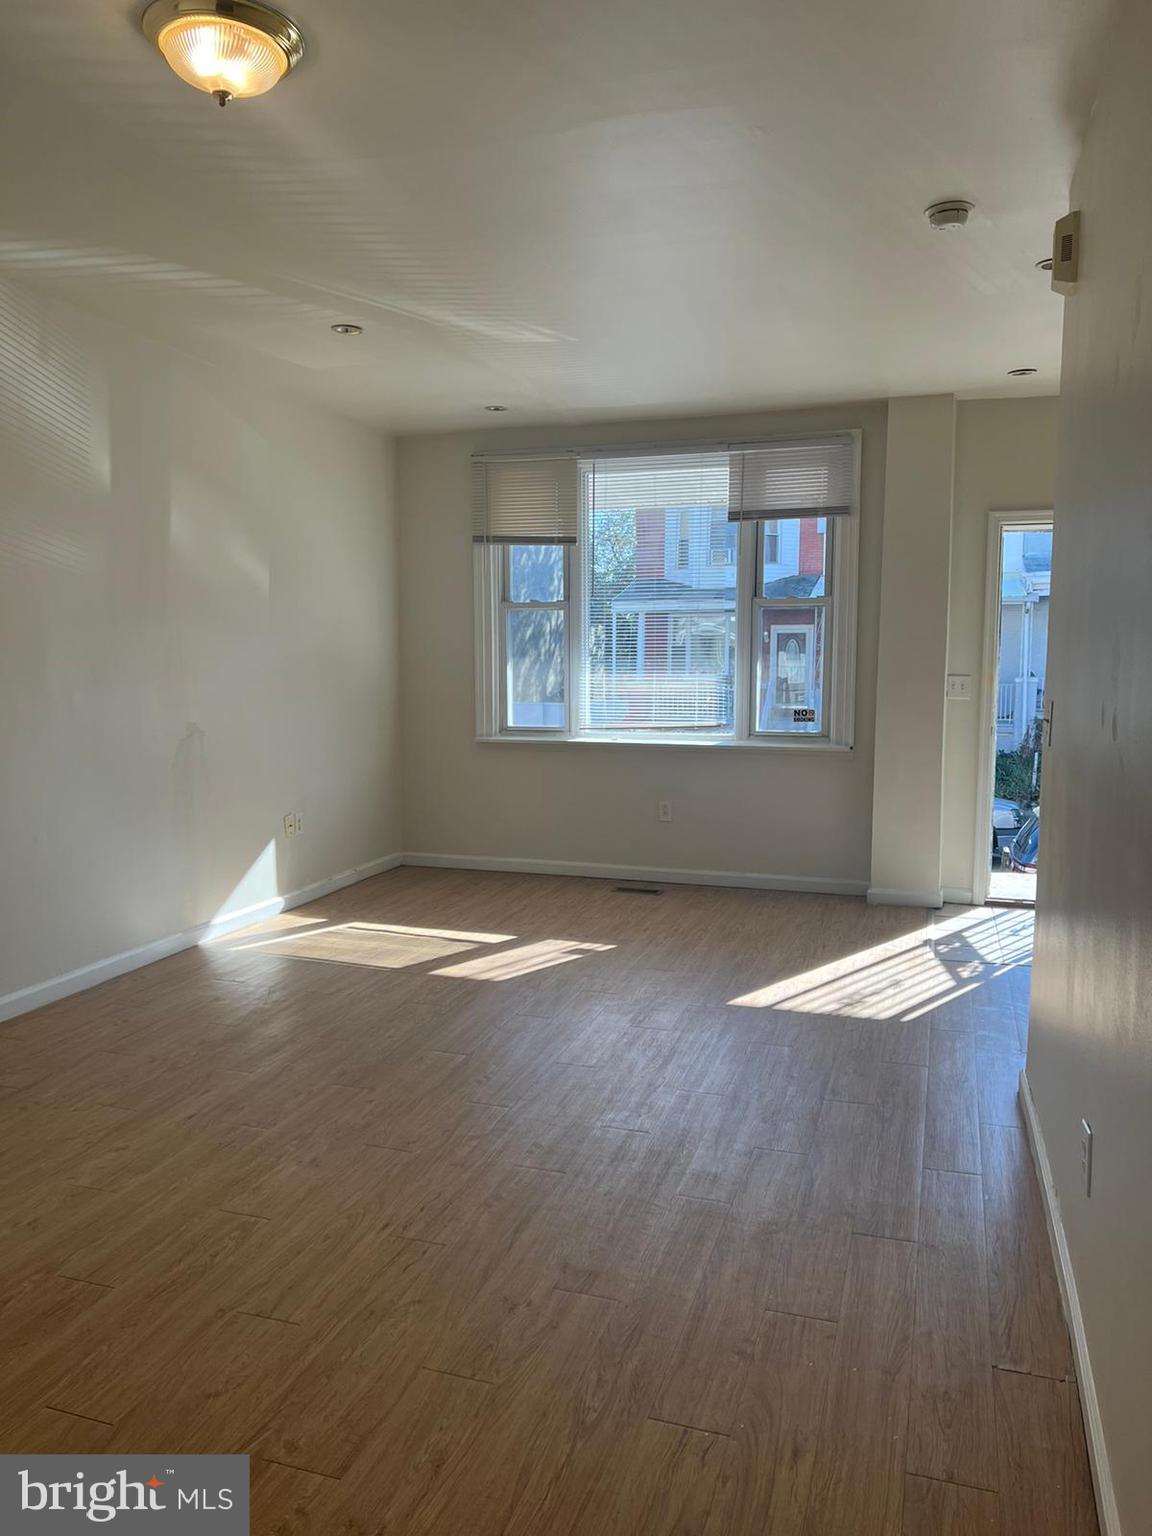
(347, 328)
(1020, 373)
(1045, 264)
(229, 48)
(495, 407)
(950, 213)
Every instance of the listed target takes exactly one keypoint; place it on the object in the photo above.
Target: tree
(613, 568)
(1018, 768)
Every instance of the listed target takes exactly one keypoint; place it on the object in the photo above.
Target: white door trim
(998, 521)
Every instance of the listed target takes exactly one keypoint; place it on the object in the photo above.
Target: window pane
(536, 668)
(795, 557)
(536, 573)
(660, 580)
(790, 670)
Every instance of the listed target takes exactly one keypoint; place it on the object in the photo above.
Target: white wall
(198, 633)
(1091, 1033)
(806, 816)
(907, 798)
(1005, 461)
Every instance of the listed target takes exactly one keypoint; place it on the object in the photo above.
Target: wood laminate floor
(517, 1206)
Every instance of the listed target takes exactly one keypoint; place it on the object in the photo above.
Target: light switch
(959, 686)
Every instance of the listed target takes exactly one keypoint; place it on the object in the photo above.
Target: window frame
(508, 607)
(827, 602)
(491, 564)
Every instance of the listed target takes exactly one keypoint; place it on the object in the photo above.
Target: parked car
(1020, 854)
(1006, 819)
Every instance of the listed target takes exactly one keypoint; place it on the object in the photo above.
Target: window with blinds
(792, 478)
(659, 567)
(710, 595)
(525, 501)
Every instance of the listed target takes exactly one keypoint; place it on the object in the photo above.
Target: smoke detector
(952, 213)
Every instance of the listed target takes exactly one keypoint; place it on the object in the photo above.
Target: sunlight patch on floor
(510, 963)
(395, 946)
(860, 986)
(960, 952)
(371, 944)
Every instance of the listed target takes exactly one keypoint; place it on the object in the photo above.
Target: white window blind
(803, 477)
(525, 500)
(659, 580)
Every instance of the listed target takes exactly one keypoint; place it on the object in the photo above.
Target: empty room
(575, 734)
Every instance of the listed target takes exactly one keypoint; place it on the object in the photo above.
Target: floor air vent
(637, 888)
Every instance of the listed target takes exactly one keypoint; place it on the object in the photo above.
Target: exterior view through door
(1023, 553)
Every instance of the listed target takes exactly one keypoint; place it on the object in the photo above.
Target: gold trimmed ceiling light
(229, 48)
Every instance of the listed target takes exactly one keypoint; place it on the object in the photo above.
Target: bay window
(694, 595)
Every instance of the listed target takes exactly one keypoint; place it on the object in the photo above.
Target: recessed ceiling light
(347, 328)
(1020, 373)
(949, 213)
(1045, 264)
(229, 48)
(495, 407)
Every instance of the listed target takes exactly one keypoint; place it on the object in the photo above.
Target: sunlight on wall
(53, 441)
(258, 889)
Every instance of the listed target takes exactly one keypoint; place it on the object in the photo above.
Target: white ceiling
(578, 208)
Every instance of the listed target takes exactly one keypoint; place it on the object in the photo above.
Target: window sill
(693, 743)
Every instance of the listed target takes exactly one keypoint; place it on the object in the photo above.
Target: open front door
(1013, 701)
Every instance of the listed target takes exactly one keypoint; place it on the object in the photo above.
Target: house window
(684, 542)
(672, 610)
(771, 543)
(721, 540)
(702, 643)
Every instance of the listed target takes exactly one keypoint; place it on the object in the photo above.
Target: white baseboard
(1093, 1427)
(883, 896)
(817, 885)
(28, 998)
(957, 895)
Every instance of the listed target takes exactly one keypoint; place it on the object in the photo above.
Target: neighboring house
(1024, 593)
(672, 630)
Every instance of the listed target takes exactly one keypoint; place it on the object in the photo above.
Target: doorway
(1016, 659)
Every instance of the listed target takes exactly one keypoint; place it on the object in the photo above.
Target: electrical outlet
(664, 810)
(290, 824)
(1086, 1156)
(959, 686)
(299, 823)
